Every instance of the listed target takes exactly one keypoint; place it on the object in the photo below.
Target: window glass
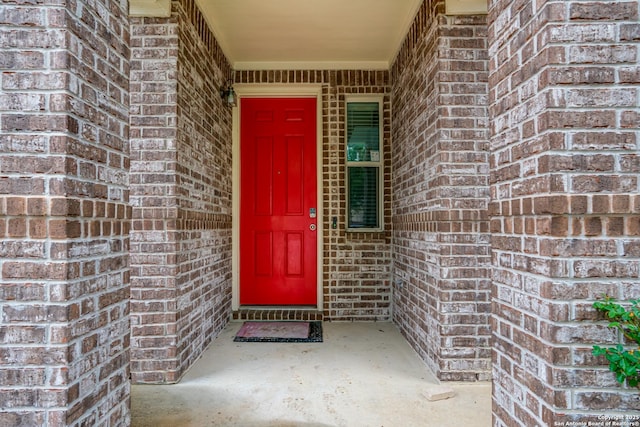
(363, 129)
(363, 197)
(364, 164)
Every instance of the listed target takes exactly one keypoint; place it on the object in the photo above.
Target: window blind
(363, 165)
(363, 128)
(363, 197)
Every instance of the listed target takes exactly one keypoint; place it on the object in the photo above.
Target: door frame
(275, 91)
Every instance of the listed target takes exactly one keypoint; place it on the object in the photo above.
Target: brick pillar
(564, 89)
(64, 225)
(441, 193)
(154, 268)
(181, 183)
(462, 176)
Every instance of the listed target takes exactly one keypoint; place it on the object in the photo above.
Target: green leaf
(624, 363)
(614, 357)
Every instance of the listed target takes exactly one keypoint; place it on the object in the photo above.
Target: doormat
(280, 332)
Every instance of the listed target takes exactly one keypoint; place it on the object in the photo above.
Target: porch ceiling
(311, 34)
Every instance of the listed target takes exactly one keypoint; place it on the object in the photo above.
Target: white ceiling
(310, 34)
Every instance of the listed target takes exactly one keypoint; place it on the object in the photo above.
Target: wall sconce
(228, 95)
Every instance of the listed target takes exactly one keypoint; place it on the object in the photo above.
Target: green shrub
(624, 362)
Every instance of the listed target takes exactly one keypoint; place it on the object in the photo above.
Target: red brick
(17, 227)
(57, 228)
(559, 226)
(16, 206)
(574, 99)
(620, 204)
(36, 206)
(578, 74)
(593, 226)
(615, 226)
(154, 183)
(579, 205)
(41, 173)
(602, 140)
(37, 228)
(445, 159)
(629, 119)
(632, 226)
(619, 11)
(600, 204)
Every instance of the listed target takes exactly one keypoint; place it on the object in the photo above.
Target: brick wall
(357, 266)
(181, 193)
(154, 46)
(440, 193)
(564, 81)
(204, 174)
(64, 204)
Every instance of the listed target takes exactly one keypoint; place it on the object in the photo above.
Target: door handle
(312, 227)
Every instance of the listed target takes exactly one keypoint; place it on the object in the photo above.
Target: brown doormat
(280, 332)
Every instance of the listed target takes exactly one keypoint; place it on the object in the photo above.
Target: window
(364, 164)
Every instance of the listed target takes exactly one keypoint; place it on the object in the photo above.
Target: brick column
(154, 43)
(564, 90)
(64, 312)
(181, 193)
(441, 193)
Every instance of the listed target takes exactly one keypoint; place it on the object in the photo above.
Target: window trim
(379, 99)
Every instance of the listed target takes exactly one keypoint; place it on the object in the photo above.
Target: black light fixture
(228, 95)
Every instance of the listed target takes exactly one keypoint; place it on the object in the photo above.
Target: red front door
(278, 237)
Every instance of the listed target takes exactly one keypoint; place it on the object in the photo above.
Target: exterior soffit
(336, 45)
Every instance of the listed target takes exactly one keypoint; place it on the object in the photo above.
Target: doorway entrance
(278, 229)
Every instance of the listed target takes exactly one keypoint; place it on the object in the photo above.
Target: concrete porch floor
(363, 374)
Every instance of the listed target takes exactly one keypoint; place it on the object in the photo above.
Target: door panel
(294, 176)
(294, 259)
(264, 253)
(278, 240)
(263, 180)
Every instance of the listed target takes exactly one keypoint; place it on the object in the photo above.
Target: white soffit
(466, 7)
(154, 8)
(310, 34)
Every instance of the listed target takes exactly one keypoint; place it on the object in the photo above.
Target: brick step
(278, 313)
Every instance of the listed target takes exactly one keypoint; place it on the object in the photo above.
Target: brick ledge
(277, 313)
